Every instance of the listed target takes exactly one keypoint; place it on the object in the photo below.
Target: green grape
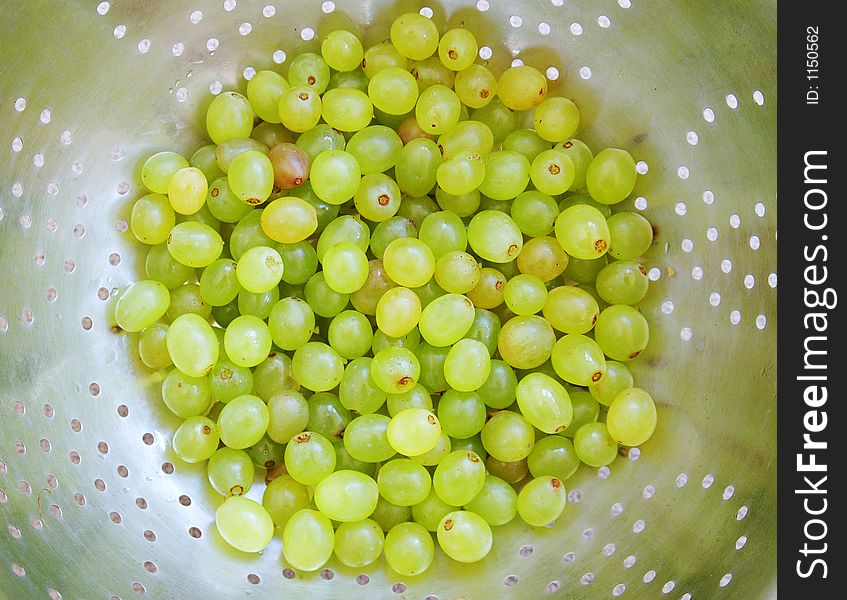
(414, 36)
(398, 312)
(409, 549)
(395, 369)
(631, 419)
(248, 233)
(342, 50)
(464, 536)
(544, 402)
(510, 472)
(467, 365)
(204, 159)
(243, 421)
(288, 416)
(274, 375)
(376, 148)
(325, 301)
(436, 454)
(152, 346)
(388, 515)
(417, 397)
(443, 232)
(194, 244)
(486, 329)
(417, 209)
(459, 477)
(581, 155)
(594, 445)
(585, 409)
(494, 236)
(223, 204)
(438, 109)
(476, 87)
(196, 439)
(496, 503)
(631, 235)
(317, 366)
(152, 219)
(409, 262)
(431, 71)
(499, 118)
(499, 389)
(349, 79)
(578, 359)
(259, 269)
(300, 260)
(431, 359)
(457, 49)
(230, 471)
(525, 294)
(556, 119)
(346, 496)
(259, 305)
(413, 431)
(552, 172)
(464, 205)
(508, 436)
(618, 378)
(229, 116)
(446, 320)
(319, 138)
(343, 460)
(622, 282)
(345, 267)
(417, 166)
(461, 174)
(526, 142)
(429, 512)
(244, 524)
(187, 299)
(377, 198)
(467, 137)
(543, 257)
(457, 272)
(462, 414)
(271, 134)
(335, 176)
(429, 292)
(542, 500)
(553, 456)
(226, 152)
(307, 540)
(310, 70)
(357, 390)
(366, 438)
(393, 90)
(583, 232)
(382, 55)
(346, 228)
(300, 108)
(507, 174)
(192, 345)
(366, 298)
(266, 453)
(488, 293)
(264, 91)
(389, 230)
(226, 314)
(162, 267)
(247, 341)
(585, 271)
(251, 177)
(404, 482)
(350, 334)
(522, 87)
(358, 544)
(283, 497)
(622, 332)
(526, 342)
(309, 457)
(347, 109)
(534, 213)
(141, 304)
(228, 380)
(327, 416)
(571, 309)
(611, 176)
(159, 168)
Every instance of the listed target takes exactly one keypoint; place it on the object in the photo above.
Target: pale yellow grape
(187, 190)
(398, 312)
(289, 220)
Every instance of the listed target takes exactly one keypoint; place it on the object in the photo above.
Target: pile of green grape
(392, 286)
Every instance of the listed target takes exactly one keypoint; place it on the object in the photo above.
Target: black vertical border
(807, 32)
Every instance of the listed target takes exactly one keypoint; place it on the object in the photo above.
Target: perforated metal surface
(94, 504)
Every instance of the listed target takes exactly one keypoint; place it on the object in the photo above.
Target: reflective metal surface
(93, 503)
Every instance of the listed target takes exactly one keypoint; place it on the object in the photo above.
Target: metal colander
(93, 503)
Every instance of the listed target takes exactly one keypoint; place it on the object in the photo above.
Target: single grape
(496, 503)
(307, 540)
(192, 345)
(525, 294)
(414, 36)
(398, 312)
(317, 366)
(346, 496)
(631, 235)
(335, 176)
(622, 332)
(498, 391)
(583, 232)
(152, 219)
(467, 365)
(409, 262)
(358, 544)
(554, 456)
(543, 257)
(230, 471)
(594, 445)
(350, 334)
(438, 109)
(152, 346)
(611, 175)
(247, 340)
(446, 320)
(522, 87)
(544, 402)
(342, 50)
(526, 342)
(194, 244)
(328, 416)
(366, 438)
(542, 500)
(409, 549)
(488, 293)
(309, 457)
(556, 119)
(283, 497)
(404, 482)
(388, 515)
(413, 431)
(476, 86)
(347, 109)
(585, 410)
(196, 439)
(578, 359)
(526, 142)
(243, 421)
(571, 309)
(141, 304)
(462, 414)
(288, 416)
(393, 90)
(244, 524)
(631, 419)
(494, 236)
(459, 477)
(622, 282)
(429, 512)
(464, 536)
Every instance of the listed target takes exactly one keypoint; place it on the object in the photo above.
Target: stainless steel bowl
(93, 503)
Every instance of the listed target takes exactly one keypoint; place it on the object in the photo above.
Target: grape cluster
(393, 283)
